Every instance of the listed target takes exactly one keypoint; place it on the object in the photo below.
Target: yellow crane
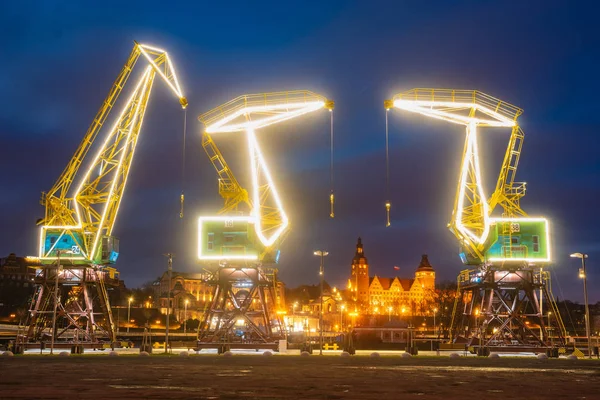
(266, 222)
(81, 221)
(511, 237)
(509, 249)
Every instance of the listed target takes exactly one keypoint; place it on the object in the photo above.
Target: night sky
(60, 59)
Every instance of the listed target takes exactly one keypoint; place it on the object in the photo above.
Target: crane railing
(259, 100)
(461, 97)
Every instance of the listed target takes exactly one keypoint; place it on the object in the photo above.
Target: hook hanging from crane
(331, 194)
(182, 196)
(388, 205)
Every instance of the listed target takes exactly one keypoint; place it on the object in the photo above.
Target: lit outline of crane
(63, 213)
(248, 113)
(451, 105)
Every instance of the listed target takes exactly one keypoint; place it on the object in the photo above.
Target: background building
(394, 296)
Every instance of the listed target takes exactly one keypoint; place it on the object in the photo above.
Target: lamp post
(170, 268)
(294, 315)
(321, 254)
(477, 322)
(434, 325)
(550, 329)
(58, 253)
(185, 316)
(342, 307)
(129, 313)
(389, 313)
(582, 274)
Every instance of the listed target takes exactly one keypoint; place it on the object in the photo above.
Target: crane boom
(472, 216)
(82, 220)
(229, 188)
(248, 113)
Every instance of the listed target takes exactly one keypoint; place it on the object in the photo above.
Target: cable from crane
(182, 197)
(388, 204)
(331, 195)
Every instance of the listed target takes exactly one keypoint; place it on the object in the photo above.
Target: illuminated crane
(244, 238)
(510, 250)
(82, 220)
(267, 216)
(79, 219)
(483, 237)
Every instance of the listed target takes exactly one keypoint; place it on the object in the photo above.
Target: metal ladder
(105, 303)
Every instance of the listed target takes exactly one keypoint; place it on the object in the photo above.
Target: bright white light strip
(529, 260)
(176, 88)
(301, 108)
(250, 220)
(472, 154)
(257, 160)
(177, 91)
(132, 154)
(421, 108)
(136, 115)
(89, 171)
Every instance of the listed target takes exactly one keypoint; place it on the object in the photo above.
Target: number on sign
(228, 223)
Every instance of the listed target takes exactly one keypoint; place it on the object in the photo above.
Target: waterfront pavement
(251, 375)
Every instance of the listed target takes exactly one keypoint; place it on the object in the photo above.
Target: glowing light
(146, 80)
(444, 108)
(250, 220)
(175, 87)
(472, 156)
(257, 161)
(525, 259)
(298, 109)
(248, 113)
(426, 108)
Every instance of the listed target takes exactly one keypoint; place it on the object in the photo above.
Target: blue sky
(61, 57)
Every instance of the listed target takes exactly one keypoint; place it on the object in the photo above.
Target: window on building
(211, 240)
(536, 243)
(514, 240)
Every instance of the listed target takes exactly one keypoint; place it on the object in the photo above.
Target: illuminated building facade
(395, 296)
(195, 289)
(184, 286)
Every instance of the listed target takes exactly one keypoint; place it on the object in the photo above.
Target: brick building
(395, 296)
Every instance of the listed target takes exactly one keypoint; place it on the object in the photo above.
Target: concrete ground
(245, 376)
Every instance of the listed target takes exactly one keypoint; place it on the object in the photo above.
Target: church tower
(359, 278)
(425, 273)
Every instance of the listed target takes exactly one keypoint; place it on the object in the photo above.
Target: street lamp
(185, 316)
(129, 313)
(477, 321)
(342, 308)
(321, 254)
(170, 269)
(58, 253)
(583, 275)
(294, 315)
(389, 313)
(434, 325)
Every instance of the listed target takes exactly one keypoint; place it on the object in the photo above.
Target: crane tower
(76, 243)
(240, 245)
(500, 301)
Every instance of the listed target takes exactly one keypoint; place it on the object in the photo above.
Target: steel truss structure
(83, 309)
(245, 295)
(242, 297)
(82, 206)
(501, 309)
(502, 293)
